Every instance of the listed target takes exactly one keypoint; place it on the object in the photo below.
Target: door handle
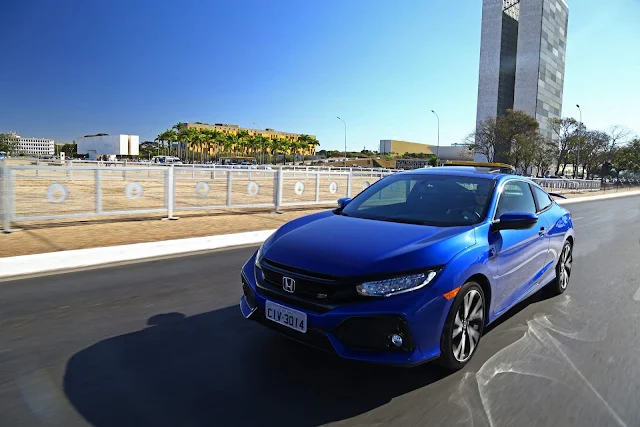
(541, 232)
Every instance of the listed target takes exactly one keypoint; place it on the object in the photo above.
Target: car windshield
(438, 200)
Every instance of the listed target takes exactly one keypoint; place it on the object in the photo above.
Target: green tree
(544, 153)
(209, 139)
(181, 133)
(495, 138)
(566, 131)
(197, 139)
(485, 139)
(263, 145)
(243, 139)
(312, 143)
(229, 143)
(8, 143)
(594, 151)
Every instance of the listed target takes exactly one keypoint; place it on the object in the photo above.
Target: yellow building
(389, 146)
(266, 133)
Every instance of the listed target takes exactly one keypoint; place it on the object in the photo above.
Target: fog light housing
(376, 333)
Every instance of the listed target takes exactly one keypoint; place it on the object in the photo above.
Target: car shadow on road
(216, 369)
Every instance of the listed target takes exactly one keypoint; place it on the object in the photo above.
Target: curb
(52, 262)
(597, 198)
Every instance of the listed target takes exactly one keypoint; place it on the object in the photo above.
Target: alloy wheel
(467, 326)
(566, 258)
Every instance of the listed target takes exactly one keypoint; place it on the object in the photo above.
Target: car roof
(469, 171)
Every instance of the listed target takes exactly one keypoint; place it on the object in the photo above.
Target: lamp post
(345, 141)
(579, 138)
(438, 146)
(261, 145)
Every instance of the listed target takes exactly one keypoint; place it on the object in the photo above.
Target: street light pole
(579, 138)
(438, 146)
(261, 146)
(345, 141)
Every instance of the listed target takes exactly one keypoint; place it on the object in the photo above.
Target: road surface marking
(636, 296)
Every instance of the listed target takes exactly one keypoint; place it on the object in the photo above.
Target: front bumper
(419, 317)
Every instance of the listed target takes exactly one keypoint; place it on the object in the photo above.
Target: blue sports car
(413, 268)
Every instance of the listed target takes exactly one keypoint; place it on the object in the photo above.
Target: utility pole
(345, 140)
(438, 146)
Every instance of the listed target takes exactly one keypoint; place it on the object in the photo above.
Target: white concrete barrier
(82, 258)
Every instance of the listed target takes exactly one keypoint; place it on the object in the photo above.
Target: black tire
(453, 353)
(563, 269)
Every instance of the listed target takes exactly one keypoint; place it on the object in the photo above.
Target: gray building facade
(522, 59)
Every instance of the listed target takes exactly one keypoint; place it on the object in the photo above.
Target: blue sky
(72, 68)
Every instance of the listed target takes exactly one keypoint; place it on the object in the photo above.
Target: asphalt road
(163, 344)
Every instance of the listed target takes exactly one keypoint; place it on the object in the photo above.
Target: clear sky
(71, 68)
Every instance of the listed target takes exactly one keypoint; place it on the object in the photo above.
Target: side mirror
(515, 221)
(343, 202)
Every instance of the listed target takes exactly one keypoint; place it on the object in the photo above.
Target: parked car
(413, 268)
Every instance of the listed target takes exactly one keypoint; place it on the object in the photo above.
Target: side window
(542, 198)
(516, 197)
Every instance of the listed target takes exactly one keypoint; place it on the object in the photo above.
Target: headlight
(397, 285)
(258, 256)
(260, 250)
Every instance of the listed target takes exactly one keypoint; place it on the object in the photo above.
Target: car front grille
(316, 292)
(314, 337)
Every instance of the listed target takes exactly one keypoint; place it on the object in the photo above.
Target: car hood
(336, 245)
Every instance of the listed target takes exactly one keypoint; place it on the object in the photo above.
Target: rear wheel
(463, 327)
(563, 269)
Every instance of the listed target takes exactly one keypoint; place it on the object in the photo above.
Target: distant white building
(108, 145)
(37, 147)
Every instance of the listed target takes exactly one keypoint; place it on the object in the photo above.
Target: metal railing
(569, 184)
(125, 163)
(50, 192)
(45, 192)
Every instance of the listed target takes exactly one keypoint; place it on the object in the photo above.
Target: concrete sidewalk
(17, 266)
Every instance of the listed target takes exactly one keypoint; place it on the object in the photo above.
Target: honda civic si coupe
(413, 268)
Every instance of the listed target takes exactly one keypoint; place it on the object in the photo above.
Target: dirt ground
(61, 236)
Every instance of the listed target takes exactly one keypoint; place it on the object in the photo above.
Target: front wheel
(563, 269)
(463, 327)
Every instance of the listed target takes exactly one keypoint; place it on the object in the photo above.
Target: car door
(555, 233)
(519, 254)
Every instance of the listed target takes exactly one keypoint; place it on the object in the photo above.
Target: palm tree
(197, 140)
(170, 136)
(312, 143)
(283, 145)
(180, 129)
(295, 147)
(265, 146)
(276, 145)
(243, 137)
(221, 143)
(254, 143)
(209, 137)
(231, 143)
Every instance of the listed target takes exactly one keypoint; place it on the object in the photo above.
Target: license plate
(286, 316)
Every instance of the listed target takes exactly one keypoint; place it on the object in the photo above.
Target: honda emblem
(289, 284)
